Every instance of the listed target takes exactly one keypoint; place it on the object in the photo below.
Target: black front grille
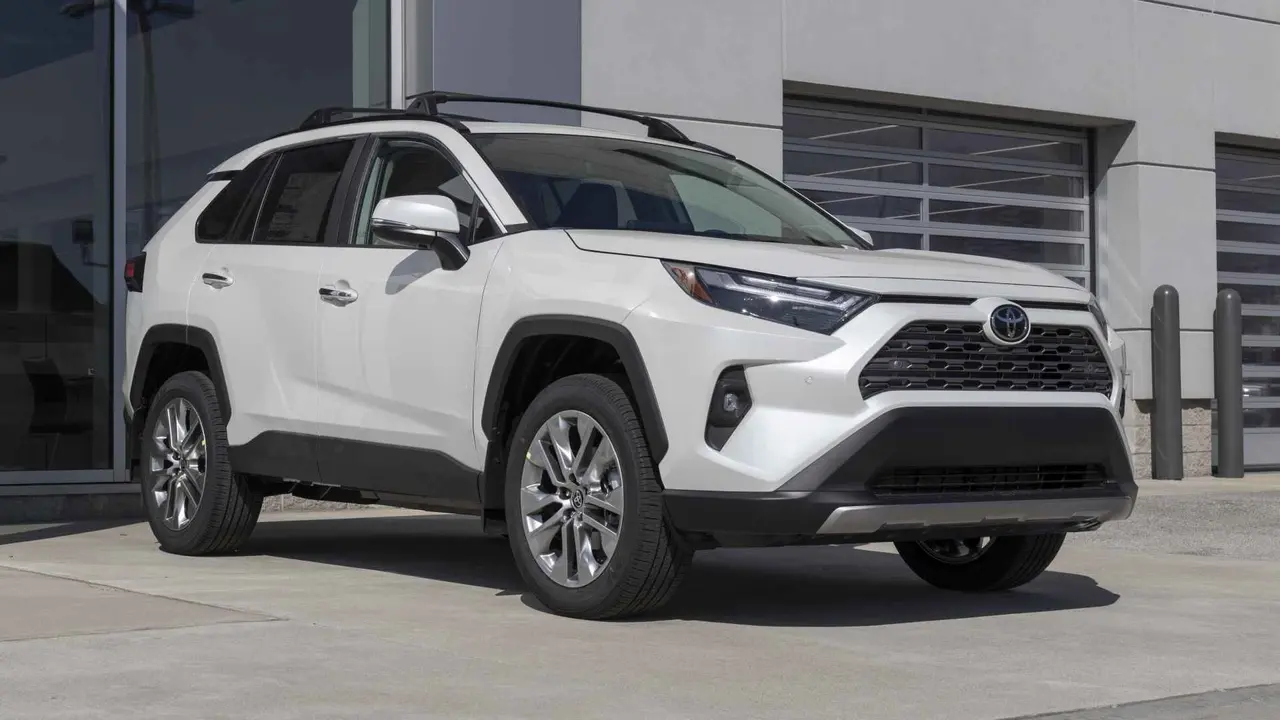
(930, 355)
(1019, 479)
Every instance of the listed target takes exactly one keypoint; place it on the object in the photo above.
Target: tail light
(133, 270)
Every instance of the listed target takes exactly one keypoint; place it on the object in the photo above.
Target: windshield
(583, 182)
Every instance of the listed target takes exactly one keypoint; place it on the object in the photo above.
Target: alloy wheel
(571, 498)
(178, 463)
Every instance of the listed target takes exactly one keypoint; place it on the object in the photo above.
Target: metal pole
(1166, 385)
(1228, 384)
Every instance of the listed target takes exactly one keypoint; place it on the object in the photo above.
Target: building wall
(1160, 82)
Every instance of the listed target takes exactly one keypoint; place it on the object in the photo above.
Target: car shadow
(818, 586)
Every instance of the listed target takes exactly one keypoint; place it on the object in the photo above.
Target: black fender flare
(194, 337)
(603, 330)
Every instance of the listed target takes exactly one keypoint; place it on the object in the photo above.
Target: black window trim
(364, 167)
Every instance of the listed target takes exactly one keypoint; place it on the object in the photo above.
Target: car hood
(913, 271)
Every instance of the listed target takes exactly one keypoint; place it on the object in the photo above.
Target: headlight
(783, 301)
(1096, 310)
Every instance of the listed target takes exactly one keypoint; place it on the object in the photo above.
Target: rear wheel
(195, 504)
(981, 564)
(584, 505)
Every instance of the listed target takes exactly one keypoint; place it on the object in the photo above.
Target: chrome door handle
(339, 296)
(216, 281)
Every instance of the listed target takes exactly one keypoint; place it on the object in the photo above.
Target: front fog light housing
(730, 402)
(809, 307)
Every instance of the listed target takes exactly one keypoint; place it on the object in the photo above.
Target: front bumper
(834, 498)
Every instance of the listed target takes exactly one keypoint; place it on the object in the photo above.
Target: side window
(219, 217)
(299, 197)
(409, 168)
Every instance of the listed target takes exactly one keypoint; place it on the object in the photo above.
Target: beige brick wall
(1197, 437)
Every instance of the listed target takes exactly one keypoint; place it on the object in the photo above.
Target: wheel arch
(155, 353)
(197, 339)
(518, 339)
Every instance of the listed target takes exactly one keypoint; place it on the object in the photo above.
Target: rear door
(257, 295)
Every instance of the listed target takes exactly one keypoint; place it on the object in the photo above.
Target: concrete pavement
(378, 613)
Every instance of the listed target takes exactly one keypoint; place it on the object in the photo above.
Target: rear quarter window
(217, 220)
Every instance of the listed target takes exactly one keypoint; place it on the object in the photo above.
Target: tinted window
(581, 182)
(409, 168)
(218, 218)
(299, 197)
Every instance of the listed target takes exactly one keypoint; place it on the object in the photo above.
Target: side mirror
(427, 222)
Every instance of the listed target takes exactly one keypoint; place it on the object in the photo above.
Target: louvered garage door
(1249, 262)
(927, 182)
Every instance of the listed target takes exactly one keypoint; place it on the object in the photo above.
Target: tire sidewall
(570, 395)
(186, 387)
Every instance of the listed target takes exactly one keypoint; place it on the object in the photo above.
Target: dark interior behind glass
(601, 183)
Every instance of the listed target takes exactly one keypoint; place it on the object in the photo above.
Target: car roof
(356, 129)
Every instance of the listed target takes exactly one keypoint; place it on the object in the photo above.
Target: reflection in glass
(1002, 215)
(1048, 253)
(1005, 147)
(1248, 263)
(847, 131)
(847, 167)
(866, 206)
(1256, 294)
(1236, 201)
(208, 78)
(1259, 172)
(1248, 232)
(1005, 181)
(55, 283)
(893, 240)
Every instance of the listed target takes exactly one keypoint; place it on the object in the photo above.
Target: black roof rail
(327, 116)
(658, 128)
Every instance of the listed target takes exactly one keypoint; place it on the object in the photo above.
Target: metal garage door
(916, 180)
(1249, 262)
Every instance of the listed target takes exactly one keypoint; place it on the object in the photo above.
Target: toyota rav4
(614, 350)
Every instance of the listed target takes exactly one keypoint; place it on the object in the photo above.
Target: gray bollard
(1228, 384)
(1166, 385)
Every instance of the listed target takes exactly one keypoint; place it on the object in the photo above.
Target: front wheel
(584, 506)
(981, 564)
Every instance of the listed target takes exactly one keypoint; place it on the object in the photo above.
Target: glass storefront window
(208, 78)
(201, 80)
(56, 378)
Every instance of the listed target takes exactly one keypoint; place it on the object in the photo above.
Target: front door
(397, 333)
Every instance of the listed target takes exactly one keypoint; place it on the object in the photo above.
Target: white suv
(615, 350)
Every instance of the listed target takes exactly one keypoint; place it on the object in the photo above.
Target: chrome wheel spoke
(571, 498)
(586, 554)
(532, 499)
(588, 440)
(610, 501)
(541, 533)
(548, 463)
(560, 570)
(608, 538)
(603, 459)
(558, 433)
(178, 463)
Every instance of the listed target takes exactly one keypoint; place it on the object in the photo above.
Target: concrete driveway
(381, 614)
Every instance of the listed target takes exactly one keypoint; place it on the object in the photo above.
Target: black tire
(230, 503)
(1007, 563)
(650, 560)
